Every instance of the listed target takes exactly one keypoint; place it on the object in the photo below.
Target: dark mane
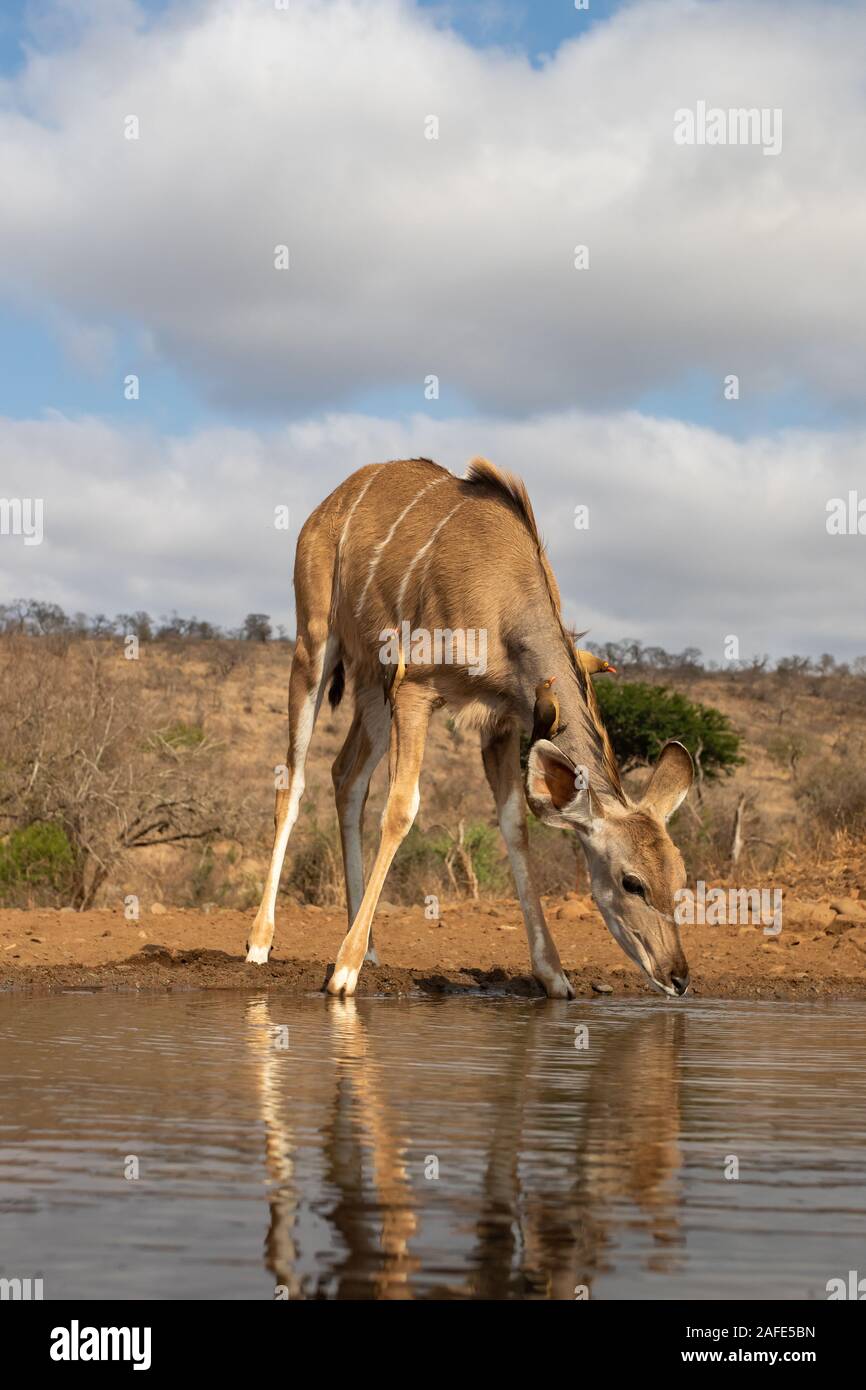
(513, 491)
(509, 487)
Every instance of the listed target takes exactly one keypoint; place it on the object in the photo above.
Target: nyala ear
(558, 792)
(671, 779)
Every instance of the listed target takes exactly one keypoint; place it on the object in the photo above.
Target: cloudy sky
(305, 124)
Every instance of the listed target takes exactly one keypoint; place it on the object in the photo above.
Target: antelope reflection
(375, 1228)
(541, 1219)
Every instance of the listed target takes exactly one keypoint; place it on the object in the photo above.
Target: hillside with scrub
(147, 769)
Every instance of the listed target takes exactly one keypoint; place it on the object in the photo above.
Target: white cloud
(410, 256)
(692, 536)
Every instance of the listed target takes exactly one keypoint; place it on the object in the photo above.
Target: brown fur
(488, 485)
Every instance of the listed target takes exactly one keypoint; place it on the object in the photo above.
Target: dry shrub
(84, 747)
(420, 867)
(832, 792)
(205, 875)
(315, 872)
(557, 859)
(89, 742)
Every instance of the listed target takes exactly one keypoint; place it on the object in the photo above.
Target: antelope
(408, 541)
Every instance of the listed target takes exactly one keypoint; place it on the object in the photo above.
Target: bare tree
(82, 748)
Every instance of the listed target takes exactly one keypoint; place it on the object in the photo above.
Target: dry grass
(219, 710)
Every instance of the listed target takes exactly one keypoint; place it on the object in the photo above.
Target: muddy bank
(820, 952)
(157, 968)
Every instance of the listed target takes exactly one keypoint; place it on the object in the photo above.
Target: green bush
(640, 719)
(38, 854)
(484, 846)
(419, 865)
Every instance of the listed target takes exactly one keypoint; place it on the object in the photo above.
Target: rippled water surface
(412, 1149)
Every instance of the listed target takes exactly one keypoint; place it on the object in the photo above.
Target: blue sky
(45, 23)
(535, 27)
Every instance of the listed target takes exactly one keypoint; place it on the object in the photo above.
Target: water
(313, 1166)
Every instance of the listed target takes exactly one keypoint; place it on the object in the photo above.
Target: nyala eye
(632, 884)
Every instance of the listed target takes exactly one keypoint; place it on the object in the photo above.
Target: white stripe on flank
(335, 597)
(358, 499)
(402, 594)
(378, 549)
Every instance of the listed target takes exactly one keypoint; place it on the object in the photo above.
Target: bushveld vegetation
(641, 718)
(154, 775)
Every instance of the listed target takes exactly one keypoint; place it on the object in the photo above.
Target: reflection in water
(280, 1250)
(632, 1149)
(530, 1241)
(374, 1214)
(538, 1242)
(459, 1148)
(378, 1249)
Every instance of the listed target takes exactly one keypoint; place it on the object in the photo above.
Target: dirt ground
(820, 952)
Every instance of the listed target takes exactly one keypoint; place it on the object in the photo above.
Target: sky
(259, 124)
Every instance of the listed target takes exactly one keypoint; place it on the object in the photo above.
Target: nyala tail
(337, 686)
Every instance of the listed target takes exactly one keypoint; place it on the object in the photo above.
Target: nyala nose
(680, 983)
